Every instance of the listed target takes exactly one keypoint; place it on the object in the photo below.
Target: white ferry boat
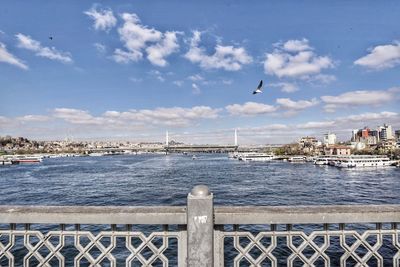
(254, 156)
(363, 161)
(324, 160)
(297, 159)
(233, 155)
(27, 159)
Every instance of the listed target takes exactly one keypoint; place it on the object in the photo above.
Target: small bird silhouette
(259, 88)
(51, 37)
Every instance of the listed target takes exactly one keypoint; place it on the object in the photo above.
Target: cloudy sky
(131, 70)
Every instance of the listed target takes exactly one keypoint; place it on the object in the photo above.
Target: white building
(329, 139)
(385, 132)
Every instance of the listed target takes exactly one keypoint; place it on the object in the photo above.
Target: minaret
(166, 139)
(236, 140)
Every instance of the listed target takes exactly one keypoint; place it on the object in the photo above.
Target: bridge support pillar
(200, 227)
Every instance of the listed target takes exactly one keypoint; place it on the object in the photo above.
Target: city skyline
(132, 71)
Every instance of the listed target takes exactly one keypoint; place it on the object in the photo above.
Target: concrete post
(200, 227)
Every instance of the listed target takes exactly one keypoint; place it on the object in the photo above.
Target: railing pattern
(200, 234)
(352, 248)
(52, 248)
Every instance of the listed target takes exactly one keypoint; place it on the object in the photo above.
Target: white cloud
(9, 58)
(26, 42)
(100, 48)
(227, 82)
(158, 75)
(168, 45)
(175, 116)
(358, 98)
(225, 57)
(295, 59)
(316, 125)
(178, 83)
(381, 57)
(196, 77)
(286, 87)
(136, 80)
(296, 45)
(137, 37)
(289, 104)
(103, 18)
(196, 89)
(370, 116)
(250, 109)
(33, 118)
(76, 116)
(322, 78)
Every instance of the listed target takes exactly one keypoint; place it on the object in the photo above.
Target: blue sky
(130, 70)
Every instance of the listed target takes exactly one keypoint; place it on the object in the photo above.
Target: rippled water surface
(166, 180)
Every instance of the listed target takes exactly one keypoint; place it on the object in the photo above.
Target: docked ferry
(254, 156)
(324, 160)
(297, 159)
(363, 161)
(27, 159)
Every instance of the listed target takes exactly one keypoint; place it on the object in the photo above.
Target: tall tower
(166, 138)
(236, 140)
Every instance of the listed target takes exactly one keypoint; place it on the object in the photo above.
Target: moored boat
(363, 161)
(26, 159)
(297, 159)
(254, 156)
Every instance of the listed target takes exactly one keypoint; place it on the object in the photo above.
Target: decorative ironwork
(45, 249)
(308, 249)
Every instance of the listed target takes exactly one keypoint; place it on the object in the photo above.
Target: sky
(130, 70)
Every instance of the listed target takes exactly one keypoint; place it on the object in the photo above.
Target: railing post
(200, 227)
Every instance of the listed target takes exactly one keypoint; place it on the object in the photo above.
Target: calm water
(166, 180)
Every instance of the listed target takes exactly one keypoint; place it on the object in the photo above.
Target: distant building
(397, 134)
(388, 144)
(309, 144)
(309, 141)
(337, 150)
(358, 145)
(366, 136)
(329, 139)
(385, 132)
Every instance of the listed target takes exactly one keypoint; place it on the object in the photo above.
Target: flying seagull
(259, 88)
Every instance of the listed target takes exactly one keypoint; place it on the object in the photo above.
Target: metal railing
(200, 235)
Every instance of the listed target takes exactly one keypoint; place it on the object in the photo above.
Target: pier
(199, 234)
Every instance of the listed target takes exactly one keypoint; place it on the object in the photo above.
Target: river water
(166, 180)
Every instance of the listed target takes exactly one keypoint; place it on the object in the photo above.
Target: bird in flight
(259, 88)
(51, 37)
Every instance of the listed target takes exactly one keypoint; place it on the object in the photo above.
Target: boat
(363, 161)
(297, 159)
(96, 154)
(324, 160)
(254, 156)
(233, 155)
(26, 159)
(5, 162)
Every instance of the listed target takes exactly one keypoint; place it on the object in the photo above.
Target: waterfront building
(337, 150)
(329, 139)
(388, 144)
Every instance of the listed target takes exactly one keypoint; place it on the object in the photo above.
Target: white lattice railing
(200, 235)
